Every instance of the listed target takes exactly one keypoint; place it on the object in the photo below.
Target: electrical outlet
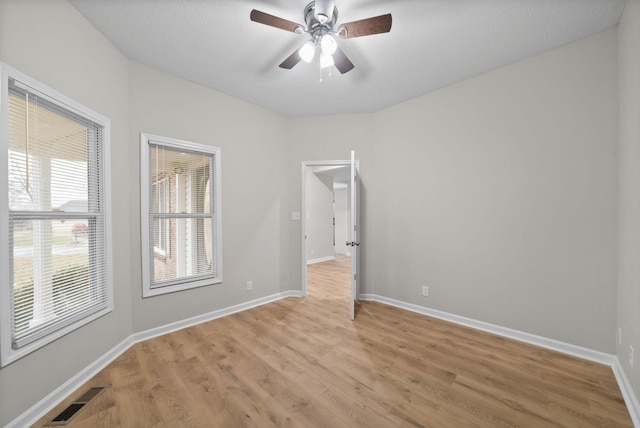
(619, 335)
(425, 291)
(249, 285)
(631, 356)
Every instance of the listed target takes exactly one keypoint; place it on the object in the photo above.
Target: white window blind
(162, 203)
(56, 217)
(181, 215)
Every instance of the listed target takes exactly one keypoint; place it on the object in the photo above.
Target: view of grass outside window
(69, 270)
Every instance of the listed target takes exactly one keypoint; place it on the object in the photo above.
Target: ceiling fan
(320, 17)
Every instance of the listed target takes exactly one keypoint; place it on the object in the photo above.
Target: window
(55, 255)
(180, 215)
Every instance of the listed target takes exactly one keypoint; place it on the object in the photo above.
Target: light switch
(295, 215)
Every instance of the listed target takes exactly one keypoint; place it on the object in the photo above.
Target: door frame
(303, 211)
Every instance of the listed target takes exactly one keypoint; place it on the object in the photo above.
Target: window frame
(146, 183)
(7, 352)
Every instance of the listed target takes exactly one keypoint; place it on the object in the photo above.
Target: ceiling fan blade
(274, 21)
(291, 60)
(366, 27)
(342, 63)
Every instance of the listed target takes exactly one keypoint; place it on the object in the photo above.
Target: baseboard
(320, 260)
(627, 392)
(566, 348)
(45, 405)
(544, 342)
(42, 407)
(189, 322)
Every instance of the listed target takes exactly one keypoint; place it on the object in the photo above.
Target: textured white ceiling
(431, 44)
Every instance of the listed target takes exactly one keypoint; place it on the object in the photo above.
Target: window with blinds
(56, 216)
(180, 216)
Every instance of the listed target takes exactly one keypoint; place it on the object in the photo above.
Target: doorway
(330, 224)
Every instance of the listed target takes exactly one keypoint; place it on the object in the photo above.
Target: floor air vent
(72, 409)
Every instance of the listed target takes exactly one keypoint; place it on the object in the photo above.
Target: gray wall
(51, 42)
(347, 132)
(341, 196)
(499, 192)
(319, 210)
(254, 211)
(629, 215)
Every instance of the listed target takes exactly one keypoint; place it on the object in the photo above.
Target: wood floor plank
(303, 363)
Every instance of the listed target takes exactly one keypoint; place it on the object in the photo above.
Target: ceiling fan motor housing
(314, 26)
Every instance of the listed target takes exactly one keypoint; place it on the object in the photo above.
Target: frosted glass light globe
(328, 44)
(307, 51)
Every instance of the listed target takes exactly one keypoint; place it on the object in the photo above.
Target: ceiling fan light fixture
(325, 60)
(307, 51)
(321, 17)
(328, 44)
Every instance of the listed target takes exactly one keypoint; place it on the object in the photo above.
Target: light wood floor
(302, 362)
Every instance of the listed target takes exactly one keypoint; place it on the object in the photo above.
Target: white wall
(319, 211)
(51, 42)
(500, 192)
(253, 190)
(629, 205)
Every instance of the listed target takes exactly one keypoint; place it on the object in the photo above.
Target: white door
(354, 232)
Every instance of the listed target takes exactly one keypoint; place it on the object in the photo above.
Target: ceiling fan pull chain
(322, 75)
